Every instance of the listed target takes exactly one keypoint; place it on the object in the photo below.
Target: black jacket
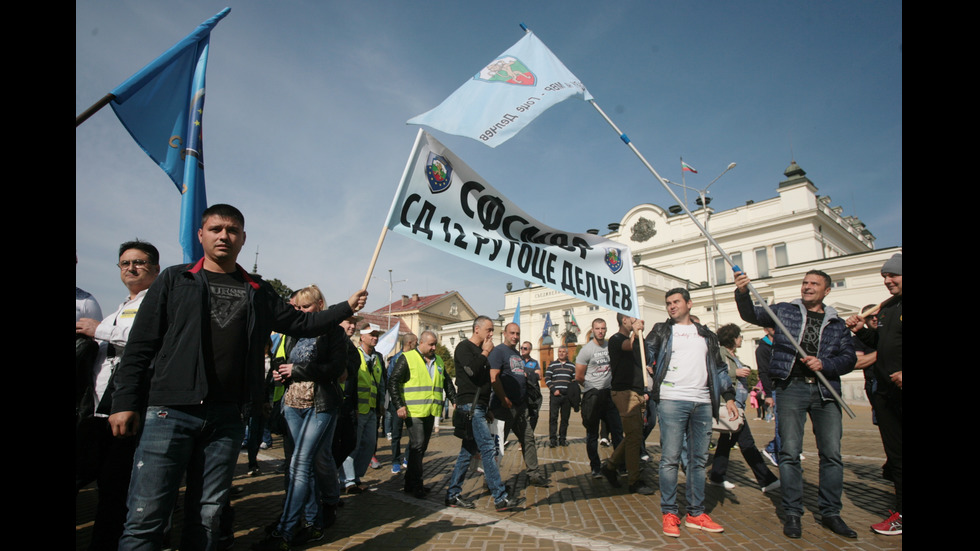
(330, 363)
(168, 333)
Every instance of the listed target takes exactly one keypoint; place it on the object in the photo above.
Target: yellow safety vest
(367, 384)
(423, 394)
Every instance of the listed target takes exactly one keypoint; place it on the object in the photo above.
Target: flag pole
(406, 174)
(94, 109)
(728, 259)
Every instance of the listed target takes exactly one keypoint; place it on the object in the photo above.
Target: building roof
(411, 303)
(382, 321)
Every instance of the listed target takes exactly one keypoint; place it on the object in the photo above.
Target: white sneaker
(728, 485)
(604, 443)
(771, 457)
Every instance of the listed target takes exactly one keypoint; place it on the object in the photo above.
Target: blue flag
(547, 324)
(506, 95)
(517, 312)
(162, 107)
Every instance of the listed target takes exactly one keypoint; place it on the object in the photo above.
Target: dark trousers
(108, 460)
(559, 405)
(889, 412)
(419, 431)
(753, 458)
(597, 406)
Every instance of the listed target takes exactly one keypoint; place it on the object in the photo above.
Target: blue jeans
(367, 438)
(483, 444)
(677, 419)
(310, 430)
(202, 441)
(775, 444)
(796, 399)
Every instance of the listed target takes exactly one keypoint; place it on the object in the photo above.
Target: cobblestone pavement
(576, 512)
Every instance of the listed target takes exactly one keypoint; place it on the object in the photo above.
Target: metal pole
(823, 380)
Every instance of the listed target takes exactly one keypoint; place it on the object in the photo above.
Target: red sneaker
(672, 525)
(891, 526)
(703, 522)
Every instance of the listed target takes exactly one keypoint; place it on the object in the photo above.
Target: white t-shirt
(687, 374)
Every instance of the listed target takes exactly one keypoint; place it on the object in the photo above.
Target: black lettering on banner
(615, 293)
(510, 254)
(496, 248)
(460, 242)
(413, 198)
(603, 285)
(537, 264)
(578, 281)
(524, 258)
(627, 298)
(551, 268)
(424, 220)
(590, 287)
(566, 277)
(492, 131)
(506, 227)
(445, 227)
(464, 191)
(480, 241)
(582, 245)
(561, 241)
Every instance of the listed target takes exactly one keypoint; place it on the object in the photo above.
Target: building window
(722, 270)
(762, 262)
(593, 308)
(782, 258)
(837, 284)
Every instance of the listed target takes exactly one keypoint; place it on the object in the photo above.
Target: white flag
(506, 95)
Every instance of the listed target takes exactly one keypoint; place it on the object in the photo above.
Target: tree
(280, 288)
(447, 360)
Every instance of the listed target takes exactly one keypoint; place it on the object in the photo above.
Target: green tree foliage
(447, 360)
(280, 287)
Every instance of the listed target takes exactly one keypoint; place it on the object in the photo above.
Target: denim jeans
(597, 405)
(521, 425)
(325, 468)
(796, 399)
(203, 442)
(677, 419)
(483, 444)
(395, 428)
(357, 463)
(310, 431)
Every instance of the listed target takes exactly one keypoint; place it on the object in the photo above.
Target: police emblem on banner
(507, 69)
(438, 172)
(614, 259)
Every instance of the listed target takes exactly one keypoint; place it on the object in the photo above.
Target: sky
(304, 123)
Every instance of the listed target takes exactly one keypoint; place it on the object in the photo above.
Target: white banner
(443, 203)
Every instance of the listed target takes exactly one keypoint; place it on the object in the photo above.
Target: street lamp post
(703, 200)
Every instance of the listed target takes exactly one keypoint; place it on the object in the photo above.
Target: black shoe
(272, 542)
(563, 443)
(535, 480)
(837, 526)
(307, 534)
(458, 501)
(642, 489)
(552, 444)
(329, 514)
(792, 528)
(508, 504)
(611, 475)
(421, 492)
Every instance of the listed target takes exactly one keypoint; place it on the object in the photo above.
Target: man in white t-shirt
(689, 383)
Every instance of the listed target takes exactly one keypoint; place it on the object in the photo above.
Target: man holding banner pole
(827, 348)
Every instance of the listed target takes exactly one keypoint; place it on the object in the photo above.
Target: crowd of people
(164, 383)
